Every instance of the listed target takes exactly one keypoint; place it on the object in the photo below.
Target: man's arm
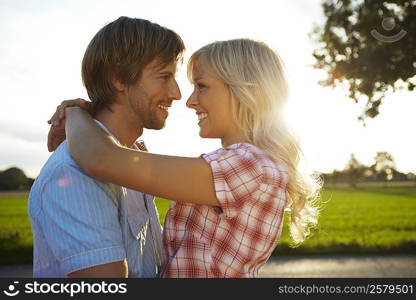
(111, 270)
(81, 225)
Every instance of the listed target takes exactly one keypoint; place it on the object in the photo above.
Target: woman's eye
(201, 86)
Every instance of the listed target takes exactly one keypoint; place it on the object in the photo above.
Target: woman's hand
(56, 133)
(56, 136)
(59, 114)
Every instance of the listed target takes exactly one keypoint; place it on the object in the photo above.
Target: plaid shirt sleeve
(237, 175)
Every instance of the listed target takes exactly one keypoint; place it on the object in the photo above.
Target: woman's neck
(234, 139)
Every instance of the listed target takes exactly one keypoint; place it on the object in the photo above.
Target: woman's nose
(191, 102)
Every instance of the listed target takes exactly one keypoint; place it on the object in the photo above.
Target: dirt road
(307, 266)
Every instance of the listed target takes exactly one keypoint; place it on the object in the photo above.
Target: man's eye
(165, 77)
(201, 86)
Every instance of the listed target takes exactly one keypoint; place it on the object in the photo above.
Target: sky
(43, 43)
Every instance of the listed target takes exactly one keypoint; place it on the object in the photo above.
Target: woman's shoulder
(270, 168)
(246, 153)
(242, 150)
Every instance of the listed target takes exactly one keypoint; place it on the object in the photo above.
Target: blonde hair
(257, 82)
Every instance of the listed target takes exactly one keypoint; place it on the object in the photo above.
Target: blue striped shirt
(79, 222)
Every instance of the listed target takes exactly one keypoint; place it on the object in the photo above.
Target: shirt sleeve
(81, 222)
(236, 174)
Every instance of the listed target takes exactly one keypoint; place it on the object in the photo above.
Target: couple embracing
(92, 206)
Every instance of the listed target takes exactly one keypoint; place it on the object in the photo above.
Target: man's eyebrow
(158, 67)
(165, 73)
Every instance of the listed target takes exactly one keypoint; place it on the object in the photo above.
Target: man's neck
(123, 128)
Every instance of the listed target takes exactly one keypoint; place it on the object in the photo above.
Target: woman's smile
(201, 116)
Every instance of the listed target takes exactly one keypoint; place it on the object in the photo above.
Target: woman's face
(211, 99)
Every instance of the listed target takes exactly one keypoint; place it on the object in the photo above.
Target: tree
(369, 46)
(354, 170)
(384, 165)
(14, 179)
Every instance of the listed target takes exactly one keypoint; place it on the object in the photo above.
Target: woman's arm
(175, 178)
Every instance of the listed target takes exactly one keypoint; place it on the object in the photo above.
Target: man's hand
(56, 133)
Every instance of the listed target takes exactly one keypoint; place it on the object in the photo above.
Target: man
(86, 228)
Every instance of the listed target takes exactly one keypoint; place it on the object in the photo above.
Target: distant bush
(354, 173)
(14, 179)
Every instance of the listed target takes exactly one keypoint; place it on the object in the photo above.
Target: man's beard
(155, 123)
(146, 114)
(148, 117)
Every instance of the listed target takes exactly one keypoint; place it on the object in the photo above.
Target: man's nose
(175, 92)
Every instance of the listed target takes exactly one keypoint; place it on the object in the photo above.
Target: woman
(228, 207)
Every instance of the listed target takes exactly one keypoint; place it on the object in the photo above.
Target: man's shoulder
(60, 158)
(61, 163)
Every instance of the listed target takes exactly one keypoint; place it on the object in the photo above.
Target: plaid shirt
(238, 238)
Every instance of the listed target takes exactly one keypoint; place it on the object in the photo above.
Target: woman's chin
(203, 134)
(207, 135)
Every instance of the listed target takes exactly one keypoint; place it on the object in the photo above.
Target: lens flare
(63, 182)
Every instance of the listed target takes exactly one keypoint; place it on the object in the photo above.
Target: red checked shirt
(238, 238)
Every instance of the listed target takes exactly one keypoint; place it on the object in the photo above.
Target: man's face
(150, 98)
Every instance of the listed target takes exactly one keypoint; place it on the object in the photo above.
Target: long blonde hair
(257, 82)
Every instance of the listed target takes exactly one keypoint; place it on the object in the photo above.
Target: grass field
(365, 220)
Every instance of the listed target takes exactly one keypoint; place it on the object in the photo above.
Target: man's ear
(118, 85)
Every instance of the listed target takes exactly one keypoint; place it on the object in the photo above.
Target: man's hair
(121, 50)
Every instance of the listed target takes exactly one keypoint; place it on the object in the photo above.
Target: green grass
(162, 207)
(15, 231)
(368, 220)
(362, 221)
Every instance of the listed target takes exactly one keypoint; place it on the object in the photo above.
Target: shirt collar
(106, 130)
(109, 133)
